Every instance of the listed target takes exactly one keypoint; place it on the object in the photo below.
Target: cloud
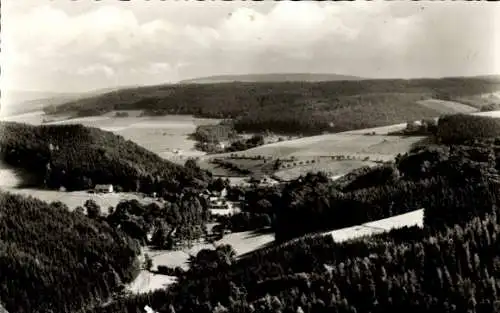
(95, 69)
(83, 46)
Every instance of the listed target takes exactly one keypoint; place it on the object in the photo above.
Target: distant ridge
(273, 77)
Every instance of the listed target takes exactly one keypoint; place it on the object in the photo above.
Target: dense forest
(78, 157)
(291, 107)
(52, 260)
(451, 128)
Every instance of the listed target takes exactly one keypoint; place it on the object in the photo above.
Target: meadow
(361, 145)
(447, 107)
(333, 168)
(77, 198)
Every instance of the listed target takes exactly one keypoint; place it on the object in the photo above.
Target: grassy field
(146, 282)
(334, 168)
(376, 146)
(78, 198)
(481, 100)
(447, 107)
(495, 114)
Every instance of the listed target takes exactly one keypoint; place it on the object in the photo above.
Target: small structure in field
(104, 188)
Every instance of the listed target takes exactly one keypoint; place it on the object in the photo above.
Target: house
(104, 188)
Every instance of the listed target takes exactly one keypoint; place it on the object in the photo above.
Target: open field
(146, 282)
(165, 135)
(447, 107)
(374, 146)
(414, 218)
(9, 178)
(332, 167)
(481, 100)
(34, 118)
(495, 114)
(78, 198)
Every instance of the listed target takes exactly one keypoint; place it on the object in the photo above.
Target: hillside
(291, 107)
(52, 260)
(274, 77)
(79, 157)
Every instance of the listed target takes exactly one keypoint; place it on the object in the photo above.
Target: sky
(74, 46)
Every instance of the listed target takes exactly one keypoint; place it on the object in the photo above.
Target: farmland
(331, 167)
(336, 154)
(333, 144)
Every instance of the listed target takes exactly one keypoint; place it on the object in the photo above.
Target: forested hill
(78, 157)
(290, 107)
(274, 77)
(52, 260)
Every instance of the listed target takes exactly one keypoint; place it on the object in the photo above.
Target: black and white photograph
(249, 156)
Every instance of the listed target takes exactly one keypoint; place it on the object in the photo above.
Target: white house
(104, 188)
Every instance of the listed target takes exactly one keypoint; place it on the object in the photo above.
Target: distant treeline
(78, 157)
(291, 107)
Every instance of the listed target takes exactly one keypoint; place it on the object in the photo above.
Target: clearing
(356, 145)
(77, 198)
(146, 281)
(414, 218)
(331, 167)
(447, 107)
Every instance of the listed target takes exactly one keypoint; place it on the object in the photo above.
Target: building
(103, 188)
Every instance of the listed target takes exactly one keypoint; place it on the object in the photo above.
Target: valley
(342, 156)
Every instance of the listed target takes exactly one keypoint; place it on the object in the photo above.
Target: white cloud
(95, 69)
(44, 46)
